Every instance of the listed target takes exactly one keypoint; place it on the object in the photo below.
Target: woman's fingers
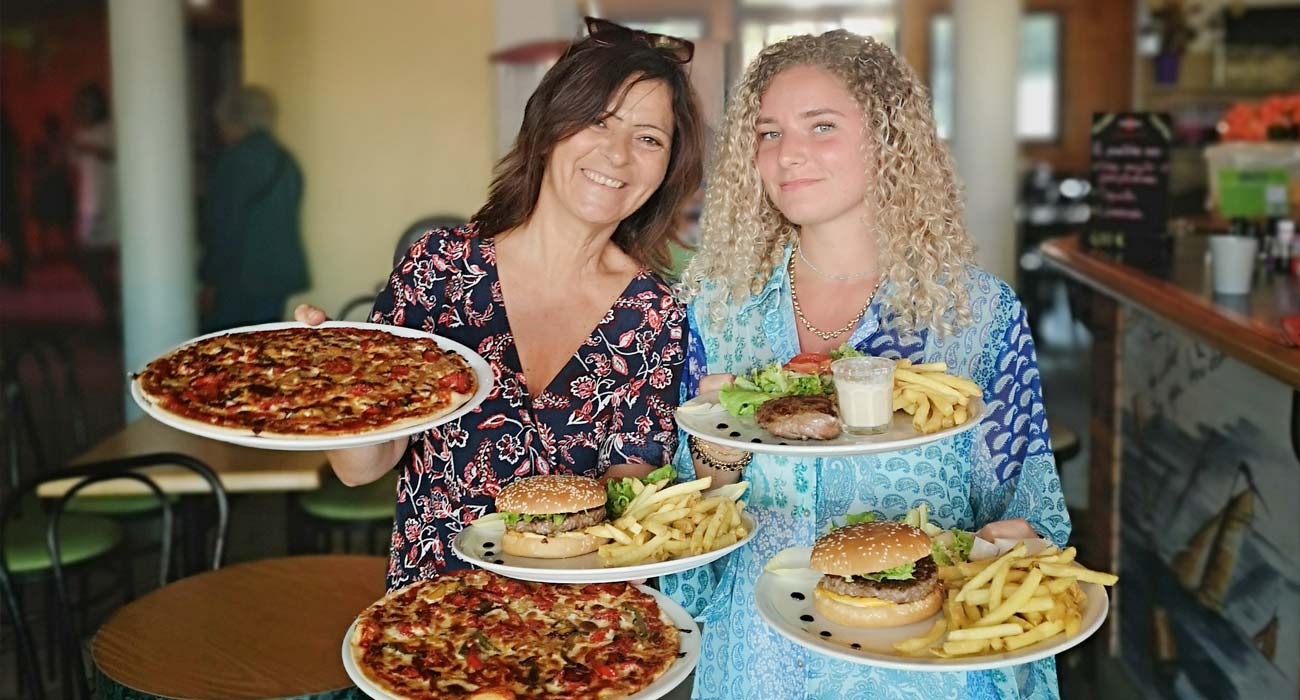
(310, 315)
(714, 382)
(1013, 529)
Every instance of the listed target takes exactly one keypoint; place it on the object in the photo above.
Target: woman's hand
(714, 382)
(1013, 529)
(618, 471)
(310, 315)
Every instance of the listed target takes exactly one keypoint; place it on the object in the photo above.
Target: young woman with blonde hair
(833, 216)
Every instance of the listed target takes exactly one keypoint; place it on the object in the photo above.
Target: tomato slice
(809, 363)
(605, 671)
(458, 382)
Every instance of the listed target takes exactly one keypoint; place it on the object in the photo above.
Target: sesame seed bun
(868, 547)
(552, 493)
(571, 544)
(886, 615)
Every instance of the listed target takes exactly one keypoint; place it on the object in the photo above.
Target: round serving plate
(688, 654)
(705, 418)
(784, 602)
(480, 545)
(482, 373)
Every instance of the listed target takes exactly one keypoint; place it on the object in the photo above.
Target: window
(1038, 92)
(689, 28)
(765, 22)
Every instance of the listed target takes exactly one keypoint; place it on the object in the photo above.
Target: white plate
(474, 543)
(780, 605)
(705, 418)
(688, 655)
(482, 372)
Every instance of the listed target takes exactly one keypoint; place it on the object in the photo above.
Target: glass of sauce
(864, 388)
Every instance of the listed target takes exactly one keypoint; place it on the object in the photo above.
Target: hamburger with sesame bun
(876, 574)
(545, 516)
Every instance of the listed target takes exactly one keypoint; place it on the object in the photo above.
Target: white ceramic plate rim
(482, 372)
(701, 424)
(673, 677)
(766, 589)
(590, 574)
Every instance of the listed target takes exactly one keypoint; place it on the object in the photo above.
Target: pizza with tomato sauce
(474, 635)
(305, 382)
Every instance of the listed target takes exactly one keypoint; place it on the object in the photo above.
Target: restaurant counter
(1194, 477)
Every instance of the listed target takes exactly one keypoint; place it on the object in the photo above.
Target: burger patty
(799, 418)
(572, 521)
(924, 578)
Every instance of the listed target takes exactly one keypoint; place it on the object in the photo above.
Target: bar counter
(1194, 472)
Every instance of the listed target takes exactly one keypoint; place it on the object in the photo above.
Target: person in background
(93, 160)
(53, 201)
(833, 217)
(252, 248)
(557, 282)
(13, 242)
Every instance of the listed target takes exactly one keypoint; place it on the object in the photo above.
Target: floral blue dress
(1002, 469)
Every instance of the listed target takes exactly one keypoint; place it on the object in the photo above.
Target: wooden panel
(265, 629)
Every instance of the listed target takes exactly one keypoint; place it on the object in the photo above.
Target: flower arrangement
(1276, 118)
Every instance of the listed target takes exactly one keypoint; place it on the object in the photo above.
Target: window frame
(1058, 117)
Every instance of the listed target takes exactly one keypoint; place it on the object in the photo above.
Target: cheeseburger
(545, 516)
(876, 575)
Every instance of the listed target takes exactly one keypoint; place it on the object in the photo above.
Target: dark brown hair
(574, 94)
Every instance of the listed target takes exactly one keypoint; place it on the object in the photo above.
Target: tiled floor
(258, 522)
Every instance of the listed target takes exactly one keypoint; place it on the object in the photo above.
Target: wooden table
(242, 469)
(266, 629)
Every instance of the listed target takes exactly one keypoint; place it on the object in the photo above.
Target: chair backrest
(90, 474)
(404, 243)
(419, 228)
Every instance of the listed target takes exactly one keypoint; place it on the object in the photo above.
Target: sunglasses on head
(605, 33)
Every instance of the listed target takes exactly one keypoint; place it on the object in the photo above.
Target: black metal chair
(74, 681)
(404, 243)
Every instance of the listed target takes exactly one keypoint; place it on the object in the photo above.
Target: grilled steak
(572, 521)
(799, 418)
(924, 578)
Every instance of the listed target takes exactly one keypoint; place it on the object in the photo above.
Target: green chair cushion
(81, 537)
(116, 505)
(336, 501)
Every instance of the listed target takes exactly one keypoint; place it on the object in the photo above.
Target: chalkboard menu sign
(1130, 186)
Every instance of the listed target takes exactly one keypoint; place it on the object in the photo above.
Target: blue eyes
(819, 128)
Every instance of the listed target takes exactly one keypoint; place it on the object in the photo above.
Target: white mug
(1232, 263)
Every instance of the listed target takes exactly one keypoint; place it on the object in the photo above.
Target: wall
(390, 114)
(1097, 46)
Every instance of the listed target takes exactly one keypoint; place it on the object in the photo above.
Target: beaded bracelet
(693, 444)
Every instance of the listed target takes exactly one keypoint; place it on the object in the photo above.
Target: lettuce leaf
(898, 573)
(845, 350)
(952, 547)
(512, 518)
(749, 391)
(619, 493)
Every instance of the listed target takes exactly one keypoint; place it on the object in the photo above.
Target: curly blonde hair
(924, 249)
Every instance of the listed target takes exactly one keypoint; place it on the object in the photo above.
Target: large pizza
(303, 382)
(474, 635)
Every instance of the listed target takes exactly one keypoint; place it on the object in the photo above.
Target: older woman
(556, 283)
(833, 217)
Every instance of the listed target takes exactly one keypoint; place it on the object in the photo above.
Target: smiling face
(813, 154)
(606, 171)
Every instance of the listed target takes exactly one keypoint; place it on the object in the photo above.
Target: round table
(264, 629)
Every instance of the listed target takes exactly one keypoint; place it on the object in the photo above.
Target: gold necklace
(828, 335)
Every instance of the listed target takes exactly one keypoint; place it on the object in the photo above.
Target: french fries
(934, 398)
(1007, 603)
(665, 520)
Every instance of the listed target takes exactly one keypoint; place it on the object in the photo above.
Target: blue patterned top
(1003, 469)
